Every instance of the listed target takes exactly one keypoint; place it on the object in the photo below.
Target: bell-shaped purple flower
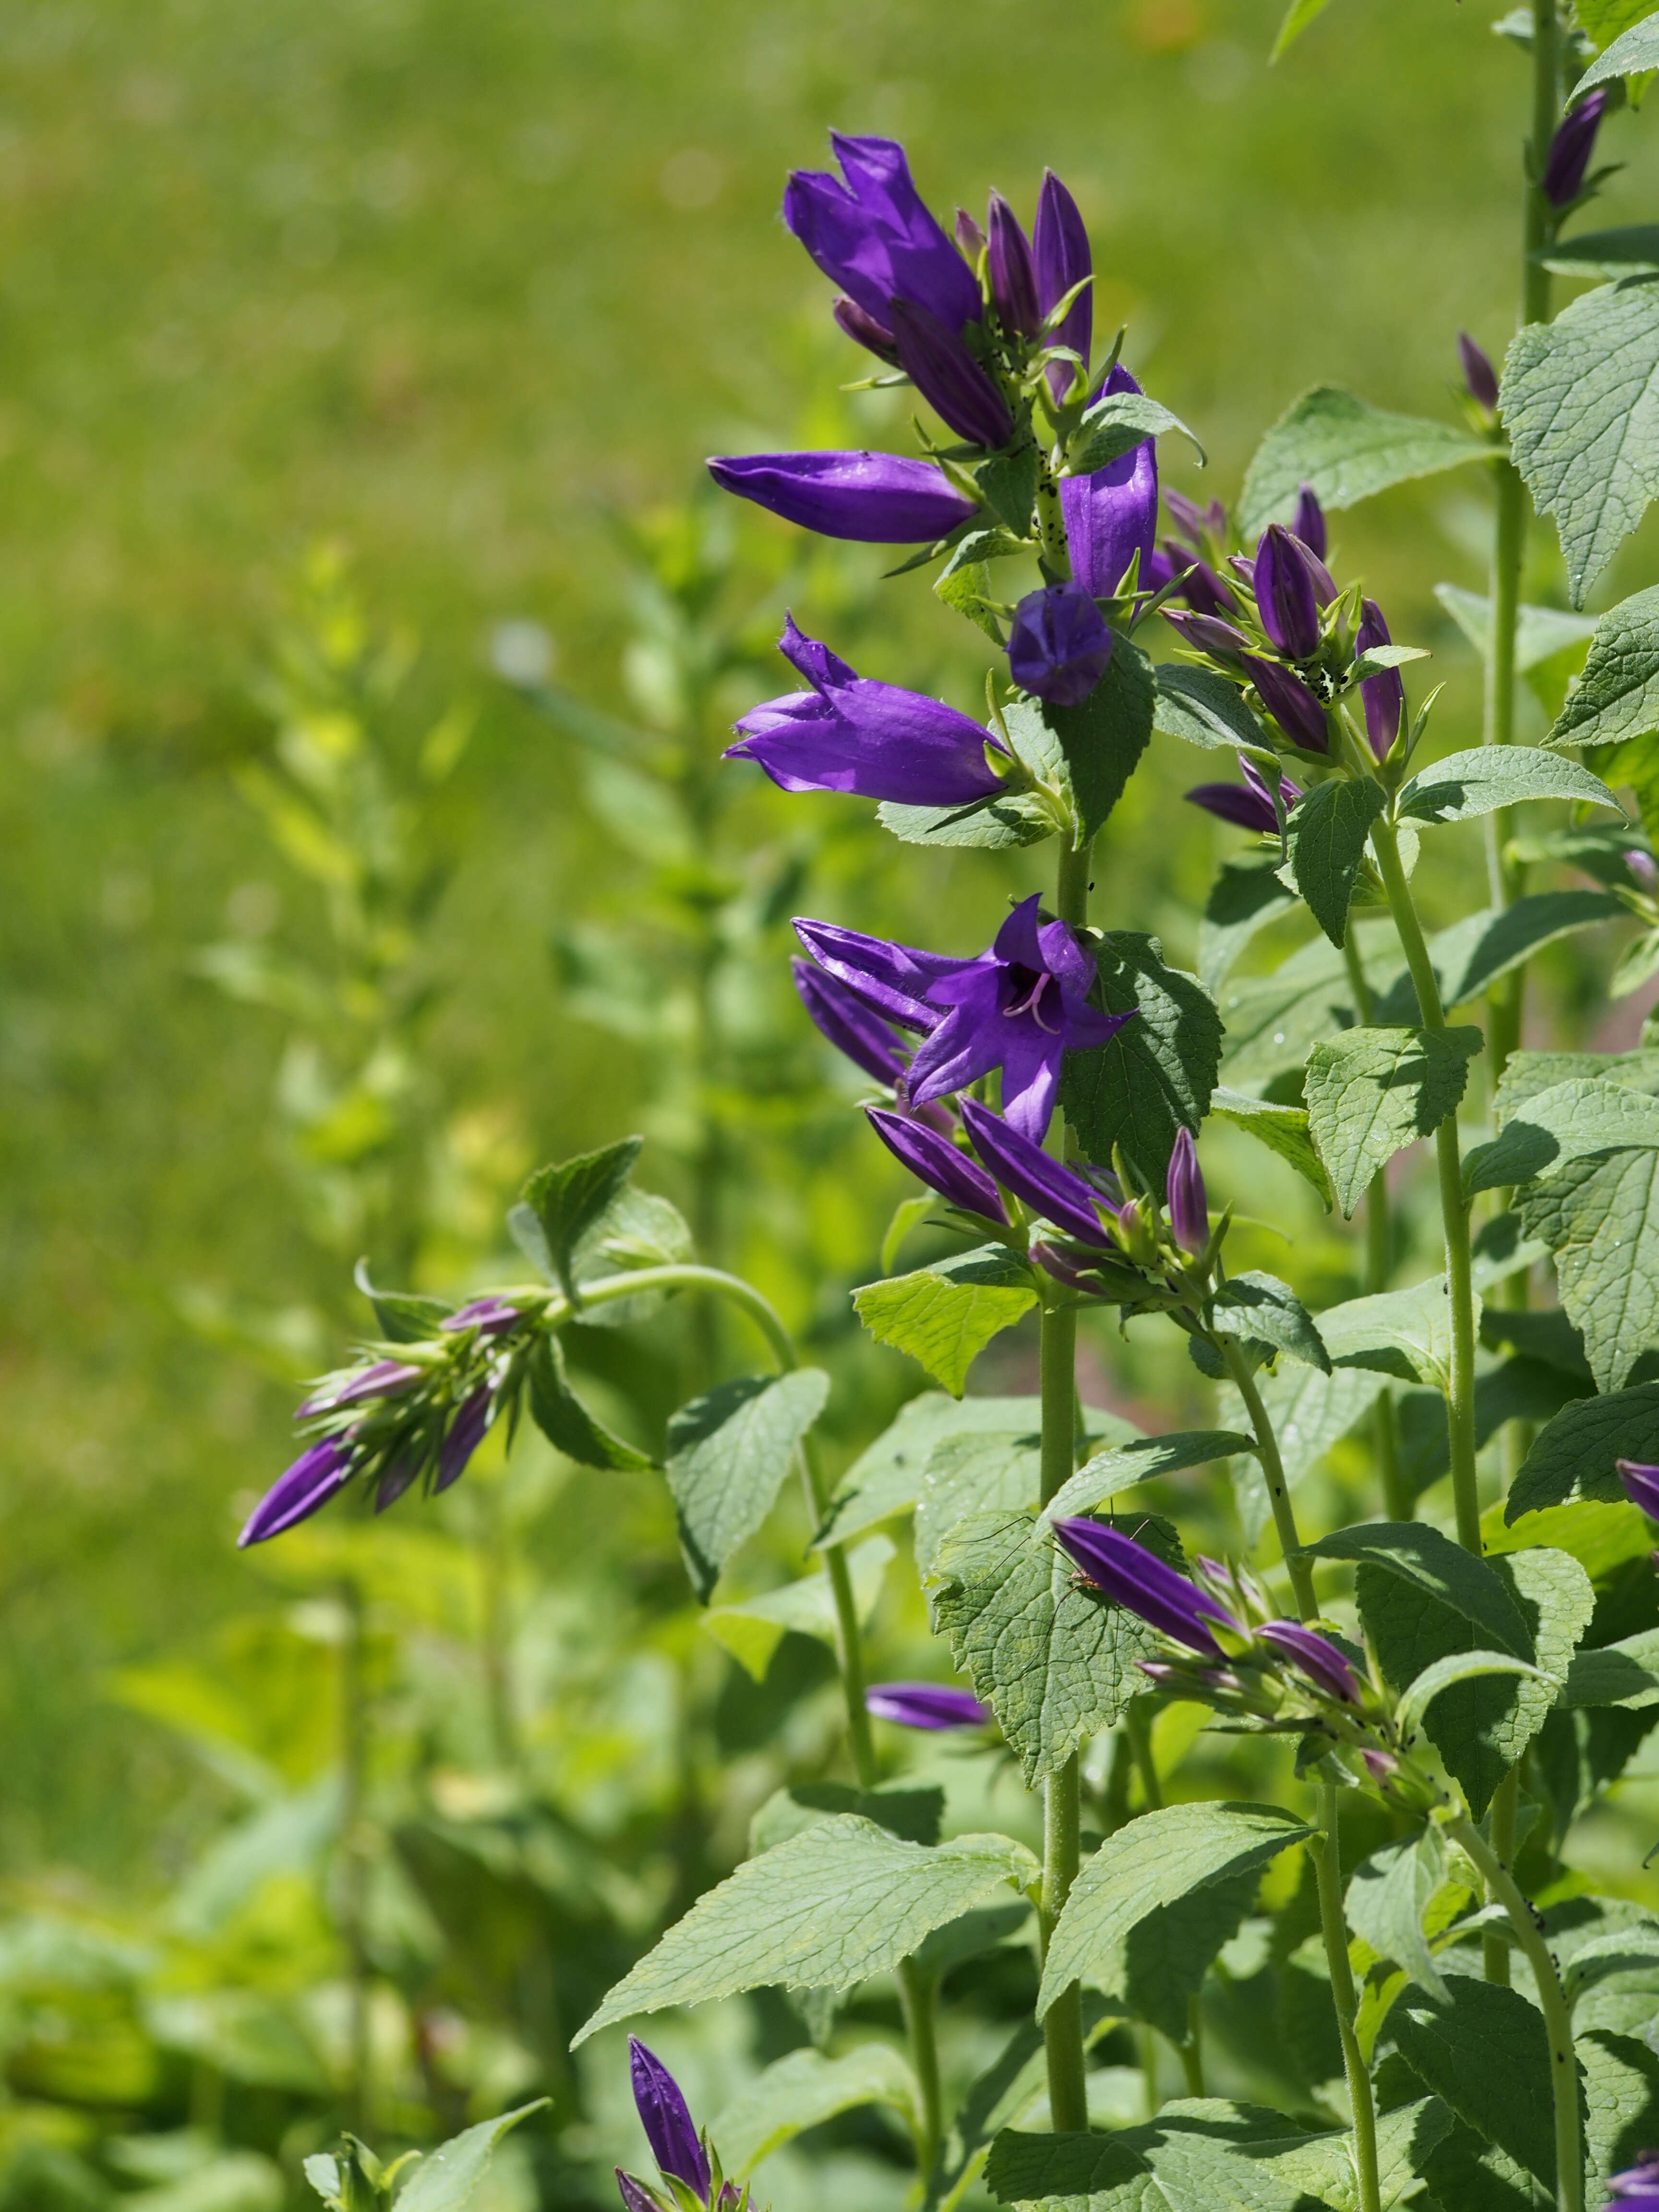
(385, 1378)
(1058, 1193)
(1059, 247)
(861, 326)
(849, 733)
(1112, 515)
(666, 2121)
(1059, 644)
(467, 1433)
(874, 238)
(1286, 597)
(1571, 149)
(1318, 1658)
(890, 979)
(1637, 2188)
(1189, 1216)
(1290, 703)
(930, 1705)
(1013, 273)
(1641, 1485)
(1308, 523)
(1385, 695)
(1207, 633)
(300, 1491)
(1131, 1576)
(1479, 374)
(848, 1024)
(874, 499)
(939, 364)
(1249, 804)
(940, 1165)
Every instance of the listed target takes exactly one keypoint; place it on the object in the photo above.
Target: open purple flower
(1571, 149)
(924, 1705)
(848, 1024)
(1059, 248)
(300, 1491)
(1318, 1658)
(850, 733)
(891, 980)
(1112, 515)
(1189, 1217)
(1479, 374)
(1641, 1485)
(1060, 645)
(1058, 1193)
(1385, 695)
(1131, 1576)
(385, 1378)
(1249, 804)
(940, 1165)
(875, 238)
(667, 2123)
(874, 499)
(1290, 703)
(939, 364)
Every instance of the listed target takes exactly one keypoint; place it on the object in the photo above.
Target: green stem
(1505, 1811)
(1290, 1542)
(1051, 528)
(1140, 1750)
(1453, 1213)
(1379, 1265)
(918, 1994)
(1191, 2050)
(1563, 2071)
(1327, 1869)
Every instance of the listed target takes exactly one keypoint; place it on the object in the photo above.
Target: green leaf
(1633, 250)
(1485, 2050)
(1310, 1412)
(1623, 1673)
(1372, 1091)
(1099, 742)
(566, 1423)
(1326, 838)
(916, 1814)
(1527, 1073)
(826, 1910)
(1466, 785)
(1200, 705)
(1540, 632)
(1008, 485)
(571, 1198)
(1120, 1467)
(1604, 21)
(1155, 1077)
(1475, 2176)
(728, 1451)
(1573, 1457)
(944, 1316)
(1387, 1899)
(1405, 1334)
(1617, 697)
(1413, 1553)
(1600, 1217)
(1123, 1927)
(1283, 1129)
(1561, 1124)
(1348, 451)
(402, 1317)
(1469, 958)
(1055, 1662)
(1298, 17)
(1456, 1669)
(1621, 2079)
(971, 1475)
(752, 1632)
(909, 1213)
(1632, 54)
(1114, 426)
(802, 2091)
(445, 2179)
(1274, 1021)
(1261, 1308)
(1243, 899)
(1580, 399)
(965, 588)
(1023, 818)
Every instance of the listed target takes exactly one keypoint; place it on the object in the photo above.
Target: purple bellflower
(667, 2123)
(1012, 271)
(1131, 1576)
(300, 1491)
(940, 1165)
(1385, 695)
(490, 1316)
(1308, 523)
(1318, 1658)
(1059, 247)
(1189, 1216)
(849, 733)
(1571, 149)
(1112, 515)
(1060, 645)
(848, 1024)
(1288, 578)
(924, 1705)
(1058, 1193)
(385, 1378)
(939, 364)
(1637, 2188)
(1249, 804)
(874, 499)
(875, 238)
(1290, 703)
(1479, 374)
(467, 1433)
(1641, 1485)
(395, 1479)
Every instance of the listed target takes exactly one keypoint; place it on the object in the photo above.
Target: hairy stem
(1328, 1869)
(1453, 1213)
(1290, 1542)
(1563, 2071)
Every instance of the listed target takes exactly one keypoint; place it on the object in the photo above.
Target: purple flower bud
(1077, 1274)
(1132, 1577)
(1060, 645)
(939, 364)
(847, 1023)
(1291, 705)
(1189, 1219)
(1643, 866)
(1381, 1766)
(635, 2196)
(1220, 640)
(667, 2122)
(731, 2198)
(1251, 806)
(1285, 597)
(1641, 1485)
(874, 237)
(467, 1433)
(874, 499)
(1308, 523)
(1201, 586)
(491, 1316)
(862, 328)
(1385, 695)
(1060, 251)
(1571, 149)
(924, 1705)
(1196, 523)
(1637, 2188)
(1014, 277)
(1319, 1659)
(969, 237)
(385, 1379)
(395, 1479)
(1036, 1177)
(1112, 515)
(301, 1491)
(1479, 373)
(940, 1165)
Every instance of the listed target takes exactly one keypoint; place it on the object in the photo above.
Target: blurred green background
(467, 287)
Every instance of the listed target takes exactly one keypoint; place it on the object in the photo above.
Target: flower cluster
(691, 2178)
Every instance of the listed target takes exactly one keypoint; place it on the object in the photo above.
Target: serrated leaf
(1115, 425)
(1540, 632)
(1573, 1457)
(1310, 1412)
(826, 1910)
(1348, 451)
(802, 2091)
(1259, 1308)
(1580, 399)
(1124, 1927)
(752, 1631)
(1243, 899)
(1527, 1073)
(1274, 1021)
(1466, 2172)
(1562, 1124)
(1466, 784)
(965, 588)
(1599, 1215)
(1325, 837)
(1632, 53)
(1617, 697)
(1055, 1662)
(1155, 1077)
(1623, 1673)
(973, 1473)
(566, 1423)
(1405, 1334)
(1283, 1129)
(1008, 485)
(1414, 1553)
(1621, 2079)
(1005, 824)
(728, 1452)
(1099, 742)
(944, 1316)
(1485, 2052)
(1456, 1669)
(1387, 1898)
(1471, 956)
(1372, 1091)
(1121, 1466)
(445, 2179)
(570, 1198)
(1201, 706)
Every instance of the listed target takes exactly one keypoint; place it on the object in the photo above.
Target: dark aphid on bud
(1291, 705)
